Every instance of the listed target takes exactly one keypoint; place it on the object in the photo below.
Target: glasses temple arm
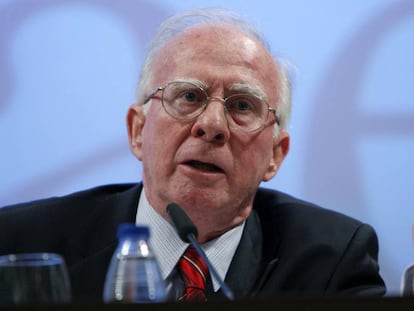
(275, 114)
(149, 97)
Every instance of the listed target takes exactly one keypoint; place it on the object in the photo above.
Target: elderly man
(209, 125)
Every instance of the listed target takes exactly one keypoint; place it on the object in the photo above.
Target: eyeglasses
(186, 101)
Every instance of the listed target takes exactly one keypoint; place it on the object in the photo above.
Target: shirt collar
(168, 247)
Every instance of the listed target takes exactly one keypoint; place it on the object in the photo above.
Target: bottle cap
(133, 229)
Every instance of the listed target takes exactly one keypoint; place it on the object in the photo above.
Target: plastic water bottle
(133, 275)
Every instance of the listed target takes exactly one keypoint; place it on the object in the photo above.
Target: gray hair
(178, 23)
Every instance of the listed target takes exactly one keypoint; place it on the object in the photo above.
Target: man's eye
(242, 105)
(189, 96)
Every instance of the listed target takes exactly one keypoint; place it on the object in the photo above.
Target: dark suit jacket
(288, 247)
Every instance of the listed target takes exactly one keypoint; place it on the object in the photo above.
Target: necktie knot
(194, 272)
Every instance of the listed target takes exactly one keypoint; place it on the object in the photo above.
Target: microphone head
(182, 222)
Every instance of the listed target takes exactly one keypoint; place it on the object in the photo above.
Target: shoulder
(289, 216)
(79, 199)
(334, 252)
(268, 202)
(52, 223)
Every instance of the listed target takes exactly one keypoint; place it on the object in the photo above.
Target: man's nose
(212, 124)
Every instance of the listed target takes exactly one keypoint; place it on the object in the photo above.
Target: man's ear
(281, 145)
(135, 124)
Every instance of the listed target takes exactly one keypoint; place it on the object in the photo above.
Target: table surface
(279, 304)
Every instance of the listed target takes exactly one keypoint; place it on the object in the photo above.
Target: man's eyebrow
(236, 87)
(249, 89)
(199, 83)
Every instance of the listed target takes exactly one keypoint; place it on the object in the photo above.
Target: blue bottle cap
(132, 229)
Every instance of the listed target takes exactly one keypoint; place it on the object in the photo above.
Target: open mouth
(204, 166)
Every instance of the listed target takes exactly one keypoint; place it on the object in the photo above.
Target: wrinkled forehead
(215, 32)
(221, 47)
(213, 37)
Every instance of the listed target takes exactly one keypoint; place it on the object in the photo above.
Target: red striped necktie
(194, 272)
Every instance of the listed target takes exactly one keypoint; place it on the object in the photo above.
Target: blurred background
(68, 71)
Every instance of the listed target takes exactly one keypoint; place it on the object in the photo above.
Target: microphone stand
(188, 233)
(226, 290)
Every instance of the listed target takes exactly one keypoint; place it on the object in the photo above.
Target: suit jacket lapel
(91, 249)
(98, 226)
(254, 260)
(245, 266)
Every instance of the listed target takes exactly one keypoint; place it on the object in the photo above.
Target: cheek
(255, 154)
(158, 139)
(150, 138)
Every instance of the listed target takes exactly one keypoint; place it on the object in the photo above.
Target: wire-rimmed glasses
(186, 101)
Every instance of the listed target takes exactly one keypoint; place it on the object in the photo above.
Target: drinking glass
(33, 278)
(407, 282)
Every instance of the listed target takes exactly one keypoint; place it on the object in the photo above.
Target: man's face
(207, 167)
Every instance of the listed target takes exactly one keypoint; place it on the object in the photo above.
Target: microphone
(187, 231)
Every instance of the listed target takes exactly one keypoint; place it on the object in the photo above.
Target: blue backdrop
(68, 71)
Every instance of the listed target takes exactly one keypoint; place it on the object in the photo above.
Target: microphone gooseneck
(182, 222)
(187, 231)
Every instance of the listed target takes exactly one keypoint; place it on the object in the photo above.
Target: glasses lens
(247, 111)
(183, 100)
(186, 101)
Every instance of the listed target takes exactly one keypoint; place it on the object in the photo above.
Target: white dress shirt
(168, 247)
